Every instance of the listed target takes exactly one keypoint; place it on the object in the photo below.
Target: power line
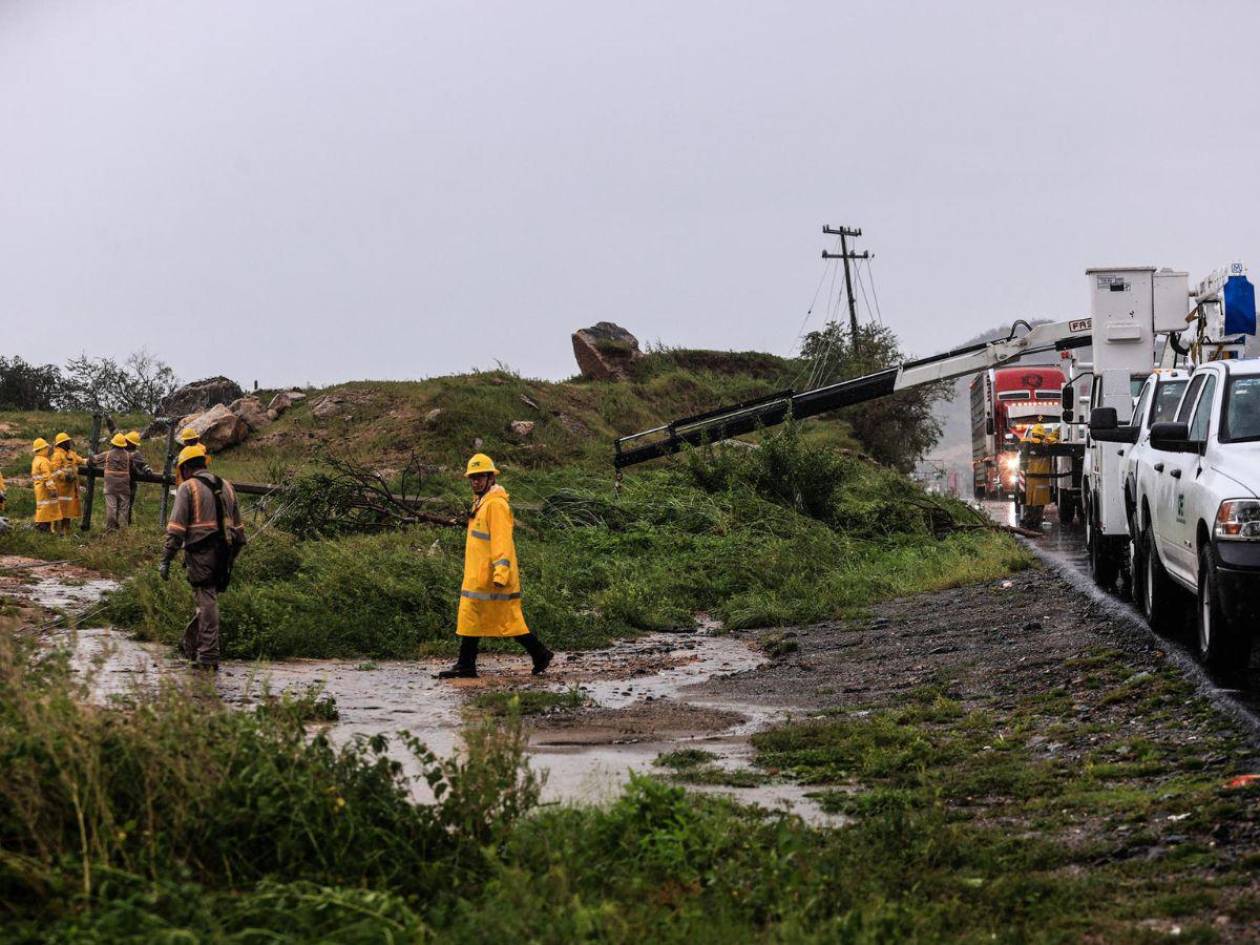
(870, 272)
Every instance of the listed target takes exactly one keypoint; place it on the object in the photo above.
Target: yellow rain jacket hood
(490, 596)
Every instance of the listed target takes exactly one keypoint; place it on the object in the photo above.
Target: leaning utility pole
(844, 233)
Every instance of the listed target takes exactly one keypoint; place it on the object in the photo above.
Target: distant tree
(102, 384)
(26, 386)
(898, 430)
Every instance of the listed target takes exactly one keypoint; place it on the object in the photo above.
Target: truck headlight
(1238, 520)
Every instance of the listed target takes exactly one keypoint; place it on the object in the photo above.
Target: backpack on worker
(223, 541)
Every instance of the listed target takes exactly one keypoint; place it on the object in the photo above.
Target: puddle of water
(384, 698)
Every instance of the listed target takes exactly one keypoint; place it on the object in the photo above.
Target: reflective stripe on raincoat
(65, 464)
(47, 504)
(490, 597)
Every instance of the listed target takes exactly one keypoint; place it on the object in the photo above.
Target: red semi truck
(1005, 402)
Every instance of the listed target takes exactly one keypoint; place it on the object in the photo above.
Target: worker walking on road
(65, 464)
(490, 596)
(116, 462)
(206, 522)
(138, 468)
(47, 503)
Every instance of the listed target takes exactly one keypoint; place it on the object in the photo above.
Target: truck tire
(1067, 508)
(1102, 563)
(1159, 598)
(1222, 646)
(1031, 516)
(1137, 566)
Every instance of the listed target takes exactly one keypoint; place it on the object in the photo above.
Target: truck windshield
(1242, 410)
(1167, 396)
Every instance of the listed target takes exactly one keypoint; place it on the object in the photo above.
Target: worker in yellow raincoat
(65, 464)
(490, 596)
(47, 504)
(1037, 470)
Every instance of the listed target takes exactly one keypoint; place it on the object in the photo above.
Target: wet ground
(1062, 548)
(643, 697)
(703, 690)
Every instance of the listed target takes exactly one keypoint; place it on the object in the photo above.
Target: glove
(164, 569)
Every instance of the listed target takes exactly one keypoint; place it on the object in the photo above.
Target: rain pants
(490, 596)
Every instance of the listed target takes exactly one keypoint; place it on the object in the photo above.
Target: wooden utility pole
(844, 233)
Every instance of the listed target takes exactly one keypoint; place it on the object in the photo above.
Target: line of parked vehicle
(1182, 474)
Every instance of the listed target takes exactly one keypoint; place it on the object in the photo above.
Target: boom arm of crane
(737, 419)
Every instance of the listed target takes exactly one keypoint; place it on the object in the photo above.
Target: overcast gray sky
(310, 191)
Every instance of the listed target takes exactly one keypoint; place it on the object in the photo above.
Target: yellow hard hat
(1038, 430)
(191, 452)
(133, 438)
(481, 463)
(118, 440)
(39, 444)
(61, 438)
(189, 435)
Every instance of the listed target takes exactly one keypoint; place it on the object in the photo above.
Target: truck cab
(1196, 514)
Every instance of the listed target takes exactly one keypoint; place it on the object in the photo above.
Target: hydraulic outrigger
(726, 422)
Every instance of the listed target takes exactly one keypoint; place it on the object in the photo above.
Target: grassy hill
(799, 530)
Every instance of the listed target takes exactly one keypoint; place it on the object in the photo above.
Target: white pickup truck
(1195, 508)
(1156, 402)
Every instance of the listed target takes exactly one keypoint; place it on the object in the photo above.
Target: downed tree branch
(346, 496)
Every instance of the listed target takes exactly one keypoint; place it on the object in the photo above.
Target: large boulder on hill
(199, 396)
(251, 410)
(218, 427)
(605, 351)
(284, 400)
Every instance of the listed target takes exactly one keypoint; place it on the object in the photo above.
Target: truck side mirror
(1068, 399)
(1104, 428)
(988, 426)
(1103, 418)
(1172, 437)
(1068, 416)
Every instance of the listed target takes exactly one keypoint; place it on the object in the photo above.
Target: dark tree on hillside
(26, 386)
(898, 430)
(102, 384)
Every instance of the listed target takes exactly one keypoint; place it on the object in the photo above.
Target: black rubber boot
(541, 655)
(466, 663)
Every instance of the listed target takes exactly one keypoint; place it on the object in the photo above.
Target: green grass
(598, 565)
(974, 815)
(170, 818)
(696, 766)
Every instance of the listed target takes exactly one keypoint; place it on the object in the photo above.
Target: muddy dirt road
(1062, 549)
